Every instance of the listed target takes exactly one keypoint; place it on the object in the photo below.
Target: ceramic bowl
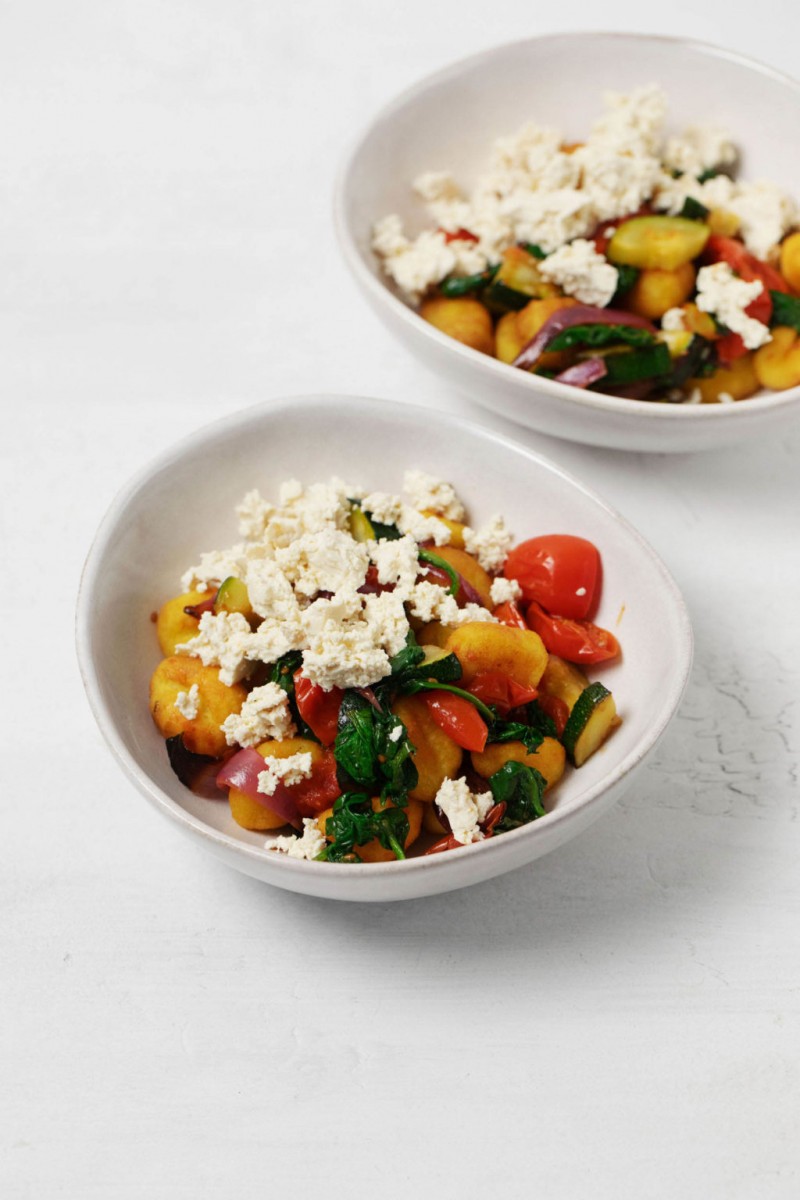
(449, 121)
(151, 535)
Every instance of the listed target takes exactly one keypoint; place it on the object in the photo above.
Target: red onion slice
(565, 318)
(242, 772)
(583, 373)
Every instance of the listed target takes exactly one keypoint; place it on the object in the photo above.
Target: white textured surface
(619, 1020)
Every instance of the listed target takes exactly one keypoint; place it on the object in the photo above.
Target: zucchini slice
(592, 719)
(517, 282)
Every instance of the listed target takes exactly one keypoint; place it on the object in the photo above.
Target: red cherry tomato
(508, 614)
(313, 795)
(459, 719)
(556, 709)
(494, 687)
(747, 266)
(576, 641)
(318, 708)
(459, 235)
(558, 570)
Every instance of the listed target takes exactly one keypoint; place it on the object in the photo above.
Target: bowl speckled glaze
(151, 535)
(448, 122)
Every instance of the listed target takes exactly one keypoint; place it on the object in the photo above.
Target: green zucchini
(439, 665)
(592, 719)
(463, 285)
(517, 282)
(232, 597)
(361, 528)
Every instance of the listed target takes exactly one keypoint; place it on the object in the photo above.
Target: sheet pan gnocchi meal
(365, 676)
(632, 263)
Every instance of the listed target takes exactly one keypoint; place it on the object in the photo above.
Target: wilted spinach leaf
(521, 789)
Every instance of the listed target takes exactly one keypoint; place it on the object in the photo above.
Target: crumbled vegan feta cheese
(254, 513)
(430, 602)
(426, 492)
(505, 590)
(464, 809)
(490, 544)
(188, 703)
(223, 640)
(721, 292)
(673, 320)
(342, 649)
(214, 567)
(397, 562)
(541, 191)
(327, 561)
(414, 266)
(293, 769)
(581, 272)
(698, 149)
(386, 618)
(392, 510)
(265, 715)
(270, 592)
(396, 733)
(437, 185)
(309, 846)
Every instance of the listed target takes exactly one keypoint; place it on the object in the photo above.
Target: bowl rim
(195, 826)
(579, 398)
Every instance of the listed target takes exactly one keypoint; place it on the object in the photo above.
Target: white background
(618, 1020)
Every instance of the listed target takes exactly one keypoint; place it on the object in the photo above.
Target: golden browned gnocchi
(370, 688)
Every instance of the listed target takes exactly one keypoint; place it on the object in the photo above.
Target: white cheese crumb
(695, 396)
(725, 398)
(342, 649)
(505, 590)
(270, 592)
(397, 562)
(464, 809)
(254, 513)
(265, 716)
(721, 292)
(188, 703)
(437, 185)
(392, 510)
(414, 266)
(427, 492)
(387, 621)
(309, 846)
(293, 769)
(674, 320)
(581, 272)
(698, 149)
(326, 561)
(430, 602)
(222, 640)
(396, 733)
(633, 121)
(490, 544)
(214, 567)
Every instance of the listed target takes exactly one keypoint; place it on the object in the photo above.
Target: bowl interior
(159, 525)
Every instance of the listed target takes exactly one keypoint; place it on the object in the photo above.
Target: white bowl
(448, 122)
(151, 535)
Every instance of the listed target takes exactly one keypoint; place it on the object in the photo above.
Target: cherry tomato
(558, 570)
(556, 709)
(459, 235)
(313, 795)
(576, 641)
(508, 613)
(747, 266)
(318, 708)
(459, 719)
(494, 687)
